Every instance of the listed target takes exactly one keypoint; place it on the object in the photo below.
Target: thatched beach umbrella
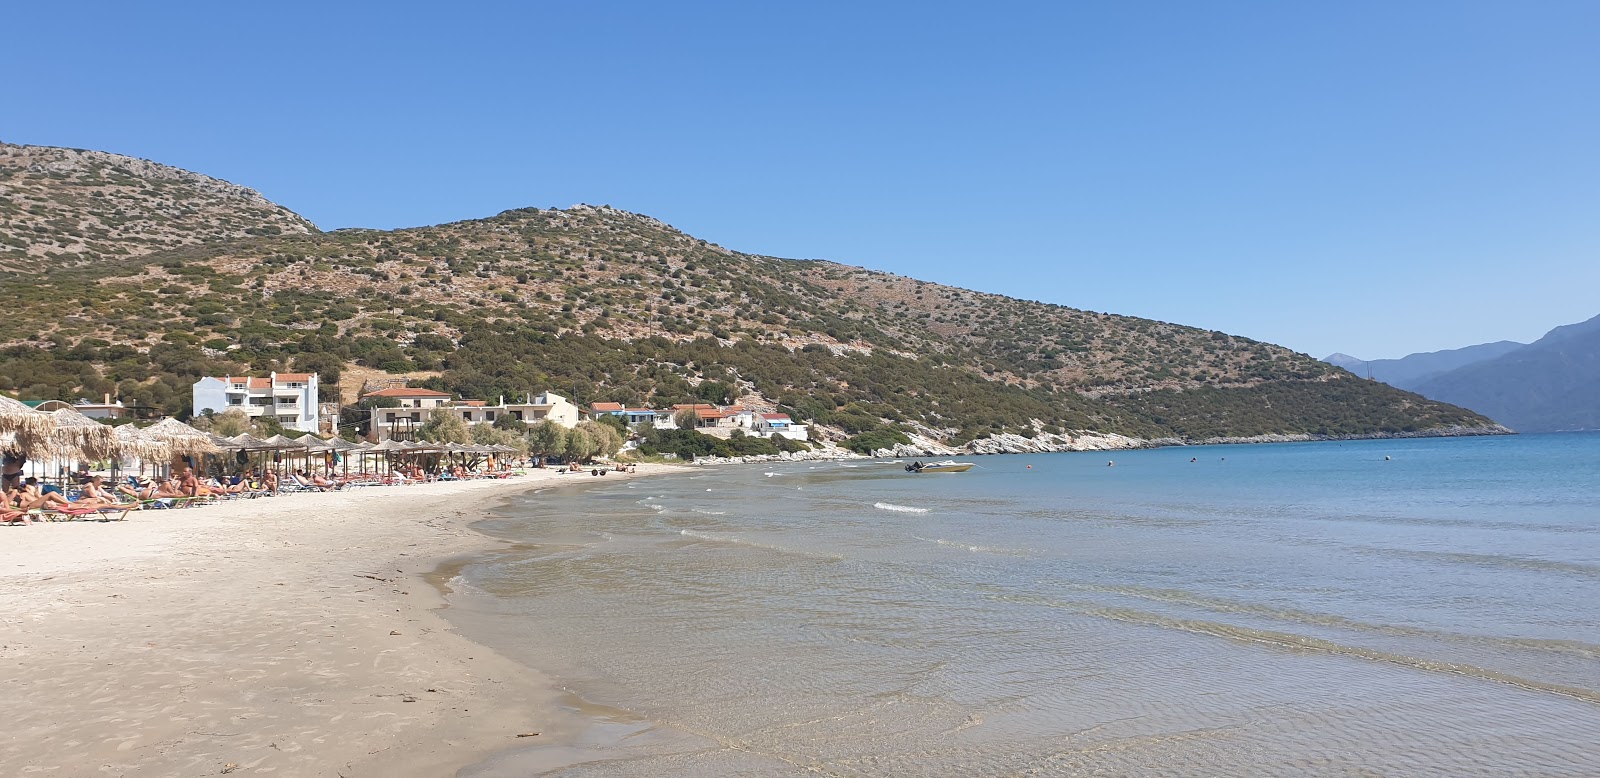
(76, 433)
(184, 440)
(247, 442)
(132, 442)
(281, 442)
(31, 428)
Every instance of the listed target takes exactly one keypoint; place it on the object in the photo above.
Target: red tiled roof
(607, 406)
(474, 403)
(402, 391)
(775, 416)
(712, 414)
(253, 383)
(294, 376)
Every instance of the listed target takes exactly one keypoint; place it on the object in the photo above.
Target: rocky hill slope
(601, 304)
(65, 206)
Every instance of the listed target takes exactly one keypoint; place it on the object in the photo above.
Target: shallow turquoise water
(1296, 609)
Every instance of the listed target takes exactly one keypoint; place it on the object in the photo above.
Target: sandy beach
(292, 635)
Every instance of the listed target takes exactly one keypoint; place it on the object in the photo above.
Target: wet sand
(293, 635)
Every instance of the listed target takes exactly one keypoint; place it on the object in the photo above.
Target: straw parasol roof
(184, 439)
(283, 442)
(32, 428)
(314, 443)
(78, 433)
(247, 442)
(132, 442)
(222, 443)
(390, 445)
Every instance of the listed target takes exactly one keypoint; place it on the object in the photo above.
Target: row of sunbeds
(292, 484)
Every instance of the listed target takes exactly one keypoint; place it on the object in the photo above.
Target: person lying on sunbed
(327, 484)
(31, 497)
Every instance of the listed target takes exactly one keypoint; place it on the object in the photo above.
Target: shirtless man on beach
(189, 485)
(95, 493)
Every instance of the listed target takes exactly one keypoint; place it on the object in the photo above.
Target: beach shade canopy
(31, 428)
(222, 443)
(77, 433)
(390, 446)
(132, 442)
(314, 443)
(244, 441)
(281, 442)
(340, 444)
(184, 440)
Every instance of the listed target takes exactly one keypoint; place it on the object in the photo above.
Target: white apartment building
(546, 406)
(401, 423)
(291, 398)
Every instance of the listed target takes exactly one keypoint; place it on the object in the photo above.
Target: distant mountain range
(1549, 385)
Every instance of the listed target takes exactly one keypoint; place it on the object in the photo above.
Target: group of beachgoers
(27, 500)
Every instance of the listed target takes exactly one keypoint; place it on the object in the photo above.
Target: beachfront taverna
(290, 398)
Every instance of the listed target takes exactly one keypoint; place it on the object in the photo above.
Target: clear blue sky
(1369, 177)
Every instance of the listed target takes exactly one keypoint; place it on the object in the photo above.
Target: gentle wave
(1223, 606)
(1291, 641)
(889, 506)
(708, 513)
(738, 541)
(973, 548)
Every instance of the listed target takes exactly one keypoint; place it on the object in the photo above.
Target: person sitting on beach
(188, 484)
(96, 493)
(169, 488)
(142, 488)
(269, 482)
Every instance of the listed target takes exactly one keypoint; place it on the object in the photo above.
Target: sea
(1421, 607)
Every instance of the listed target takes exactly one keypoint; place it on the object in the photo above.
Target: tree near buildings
(546, 437)
(607, 440)
(444, 427)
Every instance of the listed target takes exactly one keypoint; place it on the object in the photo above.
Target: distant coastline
(1045, 443)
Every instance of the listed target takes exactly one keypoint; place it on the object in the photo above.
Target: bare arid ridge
(291, 635)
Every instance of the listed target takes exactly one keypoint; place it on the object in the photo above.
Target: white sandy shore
(292, 635)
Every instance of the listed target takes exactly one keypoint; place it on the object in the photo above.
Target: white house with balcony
(546, 406)
(768, 424)
(412, 407)
(290, 398)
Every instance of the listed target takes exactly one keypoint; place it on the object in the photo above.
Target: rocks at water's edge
(1047, 443)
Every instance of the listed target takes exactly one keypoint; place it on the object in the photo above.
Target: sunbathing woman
(30, 497)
